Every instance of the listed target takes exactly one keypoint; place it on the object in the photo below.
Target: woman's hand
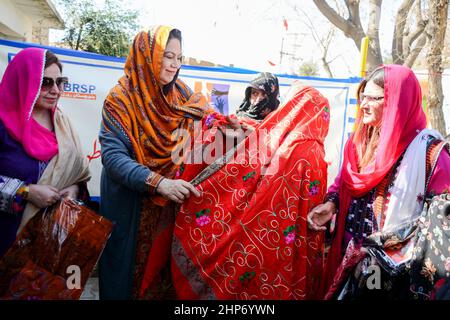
(320, 215)
(70, 192)
(233, 123)
(235, 129)
(43, 196)
(176, 190)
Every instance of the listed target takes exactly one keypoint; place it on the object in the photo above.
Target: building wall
(14, 24)
(28, 20)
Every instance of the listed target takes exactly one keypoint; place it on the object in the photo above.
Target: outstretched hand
(320, 215)
(235, 129)
(176, 190)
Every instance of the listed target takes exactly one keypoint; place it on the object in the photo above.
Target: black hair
(377, 76)
(51, 58)
(174, 34)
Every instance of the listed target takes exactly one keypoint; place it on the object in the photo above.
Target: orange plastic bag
(55, 253)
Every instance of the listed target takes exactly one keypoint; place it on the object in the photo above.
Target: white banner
(91, 76)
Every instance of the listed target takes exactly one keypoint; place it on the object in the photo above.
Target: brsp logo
(83, 91)
(78, 87)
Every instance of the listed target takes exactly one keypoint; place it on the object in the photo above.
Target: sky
(250, 33)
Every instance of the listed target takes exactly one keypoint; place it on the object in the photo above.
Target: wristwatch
(153, 180)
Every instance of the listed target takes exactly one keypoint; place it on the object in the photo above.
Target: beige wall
(28, 20)
(14, 24)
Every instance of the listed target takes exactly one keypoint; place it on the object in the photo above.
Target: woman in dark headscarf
(261, 97)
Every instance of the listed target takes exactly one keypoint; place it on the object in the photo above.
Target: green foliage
(309, 69)
(106, 30)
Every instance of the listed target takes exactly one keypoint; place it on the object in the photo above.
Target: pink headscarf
(19, 91)
(403, 118)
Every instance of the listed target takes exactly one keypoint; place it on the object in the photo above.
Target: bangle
(23, 191)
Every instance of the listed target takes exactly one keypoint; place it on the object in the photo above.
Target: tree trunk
(407, 43)
(374, 57)
(400, 23)
(77, 46)
(436, 35)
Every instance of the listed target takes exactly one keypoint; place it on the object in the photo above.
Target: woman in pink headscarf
(40, 155)
(391, 164)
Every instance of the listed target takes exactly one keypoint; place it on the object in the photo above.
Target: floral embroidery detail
(326, 114)
(202, 217)
(209, 120)
(447, 264)
(247, 277)
(430, 266)
(289, 234)
(248, 176)
(215, 120)
(438, 234)
(314, 187)
(428, 270)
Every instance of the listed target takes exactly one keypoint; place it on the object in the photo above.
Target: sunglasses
(48, 83)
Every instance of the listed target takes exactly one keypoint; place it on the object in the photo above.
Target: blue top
(122, 189)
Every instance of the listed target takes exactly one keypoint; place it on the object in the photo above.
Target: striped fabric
(8, 190)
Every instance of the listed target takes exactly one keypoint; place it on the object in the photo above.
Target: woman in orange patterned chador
(137, 188)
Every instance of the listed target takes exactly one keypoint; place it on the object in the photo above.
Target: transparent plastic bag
(55, 253)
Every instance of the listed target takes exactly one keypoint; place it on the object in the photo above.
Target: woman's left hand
(235, 124)
(70, 192)
(235, 129)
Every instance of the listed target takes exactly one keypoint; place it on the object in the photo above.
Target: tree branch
(414, 53)
(435, 31)
(350, 29)
(412, 36)
(372, 32)
(353, 9)
(324, 43)
(80, 31)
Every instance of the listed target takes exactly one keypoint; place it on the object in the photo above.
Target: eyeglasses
(363, 96)
(48, 83)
